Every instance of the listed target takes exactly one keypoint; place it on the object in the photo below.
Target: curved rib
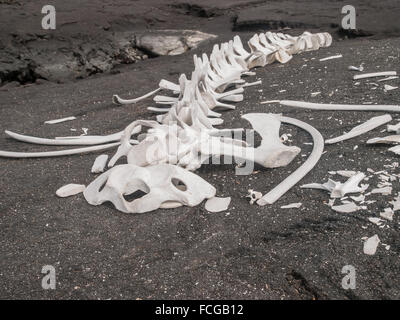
(344, 107)
(71, 141)
(306, 167)
(117, 100)
(11, 154)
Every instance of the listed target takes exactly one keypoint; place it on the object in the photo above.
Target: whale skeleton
(184, 135)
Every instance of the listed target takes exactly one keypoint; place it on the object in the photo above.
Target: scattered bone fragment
(394, 128)
(384, 191)
(375, 74)
(369, 125)
(388, 78)
(389, 88)
(374, 220)
(338, 189)
(292, 205)
(387, 214)
(396, 203)
(346, 208)
(385, 140)
(100, 163)
(70, 190)
(346, 173)
(331, 57)
(60, 120)
(371, 244)
(353, 68)
(314, 94)
(217, 204)
(395, 149)
(254, 195)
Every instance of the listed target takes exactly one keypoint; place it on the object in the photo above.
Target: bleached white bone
(66, 141)
(387, 214)
(385, 140)
(331, 58)
(254, 195)
(371, 244)
(369, 125)
(307, 166)
(375, 74)
(70, 190)
(45, 154)
(338, 189)
(100, 163)
(216, 204)
(117, 100)
(60, 120)
(344, 107)
(384, 191)
(165, 186)
(292, 205)
(394, 128)
(388, 78)
(271, 153)
(346, 208)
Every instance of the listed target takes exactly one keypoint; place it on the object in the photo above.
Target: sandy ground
(248, 252)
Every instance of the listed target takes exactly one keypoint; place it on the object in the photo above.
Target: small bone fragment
(387, 214)
(346, 208)
(384, 191)
(369, 125)
(396, 203)
(70, 190)
(374, 220)
(385, 140)
(375, 74)
(254, 195)
(338, 189)
(394, 128)
(346, 173)
(306, 167)
(100, 163)
(217, 204)
(389, 88)
(371, 244)
(331, 57)
(314, 94)
(388, 78)
(395, 149)
(60, 120)
(292, 205)
(353, 68)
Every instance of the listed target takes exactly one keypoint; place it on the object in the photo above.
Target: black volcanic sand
(247, 252)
